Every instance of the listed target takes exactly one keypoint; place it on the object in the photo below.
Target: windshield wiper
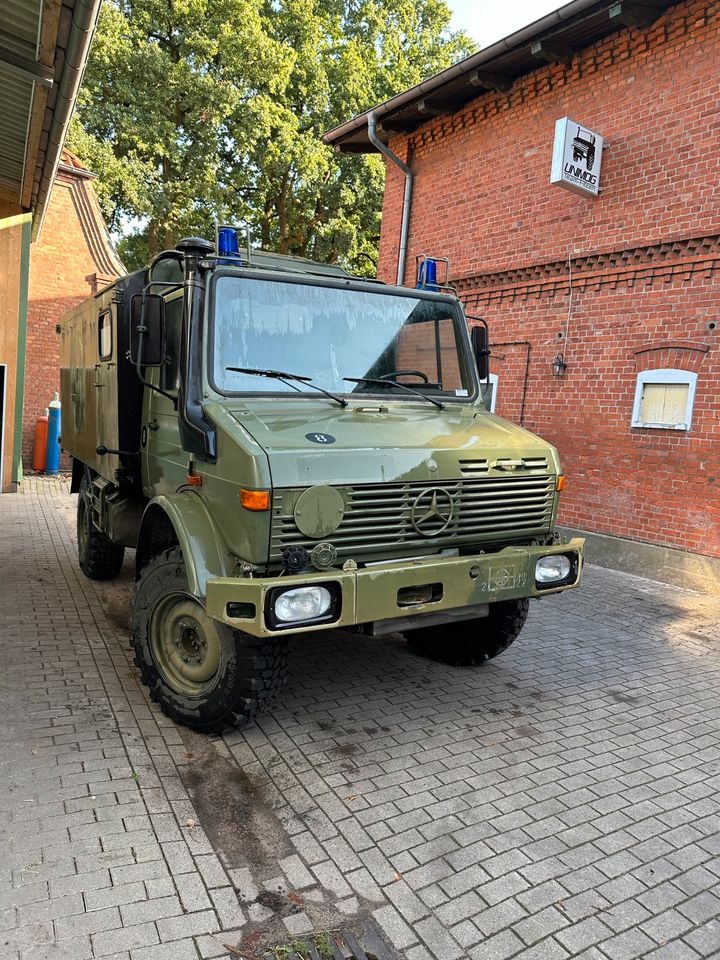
(395, 383)
(286, 378)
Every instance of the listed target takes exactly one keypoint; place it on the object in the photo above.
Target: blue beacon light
(228, 242)
(427, 275)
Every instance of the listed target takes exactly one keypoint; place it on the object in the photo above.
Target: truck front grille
(379, 517)
(478, 468)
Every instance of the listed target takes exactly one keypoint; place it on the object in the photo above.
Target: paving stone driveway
(561, 802)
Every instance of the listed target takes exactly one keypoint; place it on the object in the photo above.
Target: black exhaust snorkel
(197, 433)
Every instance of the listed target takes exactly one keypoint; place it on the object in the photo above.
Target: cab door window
(105, 337)
(171, 368)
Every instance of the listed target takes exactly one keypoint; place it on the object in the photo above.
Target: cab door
(105, 382)
(164, 462)
(82, 352)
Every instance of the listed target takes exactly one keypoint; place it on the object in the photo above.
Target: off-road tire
(472, 642)
(99, 557)
(250, 672)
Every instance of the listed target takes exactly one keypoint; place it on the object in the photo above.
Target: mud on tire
(99, 557)
(472, 642)
(201, 672)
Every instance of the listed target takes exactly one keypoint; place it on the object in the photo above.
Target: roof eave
(339, 136)
(82, 28)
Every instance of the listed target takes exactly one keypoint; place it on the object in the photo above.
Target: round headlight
(302, 603)
(551, 569)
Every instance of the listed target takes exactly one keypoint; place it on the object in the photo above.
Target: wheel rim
(82, 527)
(184, 644)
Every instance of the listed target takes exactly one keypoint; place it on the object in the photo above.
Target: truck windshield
(328, 333)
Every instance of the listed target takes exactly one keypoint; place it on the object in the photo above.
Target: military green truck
(288, 449)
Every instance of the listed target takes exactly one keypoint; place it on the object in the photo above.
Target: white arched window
(664, 399)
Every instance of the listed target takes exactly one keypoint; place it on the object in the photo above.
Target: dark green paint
(390, 491)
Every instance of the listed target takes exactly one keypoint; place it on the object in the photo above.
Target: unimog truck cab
(290, 449)
(583, 147)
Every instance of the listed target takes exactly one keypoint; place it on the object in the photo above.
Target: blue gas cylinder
(53, 438)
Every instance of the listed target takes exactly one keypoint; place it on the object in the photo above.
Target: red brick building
(619, 284)
(72, 259)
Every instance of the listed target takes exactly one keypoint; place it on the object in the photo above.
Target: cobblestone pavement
(561, 802)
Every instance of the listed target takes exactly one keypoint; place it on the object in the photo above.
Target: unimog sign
(577, 157)
(290, 449)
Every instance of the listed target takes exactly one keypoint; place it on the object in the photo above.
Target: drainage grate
(365, 942)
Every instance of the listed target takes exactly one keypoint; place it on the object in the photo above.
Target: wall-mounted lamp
(559, 366)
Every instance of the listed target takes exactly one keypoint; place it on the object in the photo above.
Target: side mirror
(149, 344)
(481, 349)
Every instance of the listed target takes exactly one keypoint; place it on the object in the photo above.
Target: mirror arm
(152, 386)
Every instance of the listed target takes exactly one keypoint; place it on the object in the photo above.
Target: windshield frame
(465, 354)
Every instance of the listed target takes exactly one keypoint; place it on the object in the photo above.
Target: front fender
(202, 546)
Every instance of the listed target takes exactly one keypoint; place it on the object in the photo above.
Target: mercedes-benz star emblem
(432, 512)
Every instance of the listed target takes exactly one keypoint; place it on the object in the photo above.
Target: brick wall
(619, 284)
(69, 261)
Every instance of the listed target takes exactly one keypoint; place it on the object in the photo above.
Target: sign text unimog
(577, 155)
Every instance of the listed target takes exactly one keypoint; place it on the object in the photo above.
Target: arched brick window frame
(666, 384)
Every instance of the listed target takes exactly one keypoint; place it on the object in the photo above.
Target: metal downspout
(407, 199)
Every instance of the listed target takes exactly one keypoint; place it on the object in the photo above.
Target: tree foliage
(194, 111)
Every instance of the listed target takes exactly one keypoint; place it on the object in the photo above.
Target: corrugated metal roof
(14, 114)
(19, 27)
(19, 32)
(43, 49)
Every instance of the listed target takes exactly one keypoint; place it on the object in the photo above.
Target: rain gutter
(477, 60)
(407, 198)
(84, 18)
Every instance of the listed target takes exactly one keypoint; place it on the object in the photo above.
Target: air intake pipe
(407, 198)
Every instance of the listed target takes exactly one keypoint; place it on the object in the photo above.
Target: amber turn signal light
(193, 480)
(560, 484)
(255, 499)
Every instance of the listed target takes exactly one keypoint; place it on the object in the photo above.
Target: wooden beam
(46, 55)
(632, 14)
(552, 51)
(354, 148)
(489, 81)
(393, 127)
(37, 115)
(438, 108)
(49, 26)
(432, 108)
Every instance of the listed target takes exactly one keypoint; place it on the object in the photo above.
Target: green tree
(194, 111)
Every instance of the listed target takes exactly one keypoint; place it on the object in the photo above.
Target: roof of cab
(170, 270)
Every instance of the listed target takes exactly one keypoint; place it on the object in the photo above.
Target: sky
(489, 20)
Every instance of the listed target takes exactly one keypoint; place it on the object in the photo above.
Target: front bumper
(371, 593)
